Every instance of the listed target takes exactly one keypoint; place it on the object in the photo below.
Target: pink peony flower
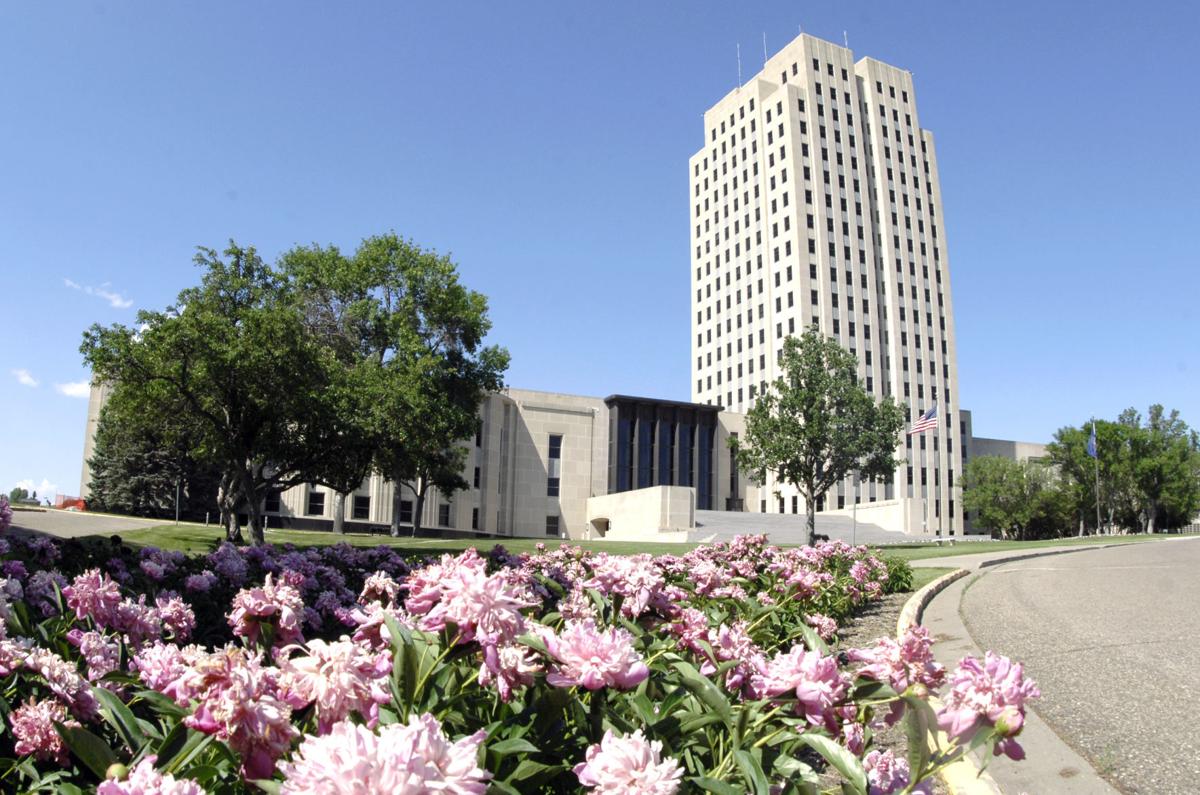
(379, 587)
(888, 773)
(593, 658)
(732, 642)
(161, 665)
(138, 621)
(33, 729)
(990, 692)
(853, 737)
(816, 680)
(93, 595)
(239, 703)
(340, 678)
(177, 616)
(690, 627)
(508, 668)
(629, 766)
(426, 587)
(64, 681)
(102, 654)
(484, 608)
(406, 759)
(902, 664)
(372, 629)
(635, 578)
(144, 779)
(825, 626)
(276, 603)
(577, 605)
(13, 654)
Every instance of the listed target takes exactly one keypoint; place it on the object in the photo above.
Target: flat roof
(660, 402)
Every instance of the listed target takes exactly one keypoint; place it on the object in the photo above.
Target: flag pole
(1096, 461)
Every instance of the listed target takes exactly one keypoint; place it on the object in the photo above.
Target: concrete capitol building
(814, 201)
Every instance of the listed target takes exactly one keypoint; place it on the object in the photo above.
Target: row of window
(360, 509)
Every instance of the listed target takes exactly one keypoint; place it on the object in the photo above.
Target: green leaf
(813, 641)
(171, 745)
(161, 703)
(196, 743)
(846, 763)
(528, 769)
(917, 730)
(871, 689)
(713, 785)
(113, 709)
(705, 690)
(513, 745)
(752, 769)
(268, 786)
(534, 642)
(790, 768)
(89, 749)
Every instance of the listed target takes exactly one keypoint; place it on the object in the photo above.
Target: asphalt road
(1112, 637)
(73, 524)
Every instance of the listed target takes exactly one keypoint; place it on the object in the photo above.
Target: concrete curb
(963, 777)
(1048, 553)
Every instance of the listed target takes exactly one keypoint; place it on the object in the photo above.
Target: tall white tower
(815, 201)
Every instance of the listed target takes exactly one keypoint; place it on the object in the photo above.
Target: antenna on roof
(764, 48)
(845, 39)
(739, 56)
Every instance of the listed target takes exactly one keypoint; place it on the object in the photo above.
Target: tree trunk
(419, 505)
(227, 502)
(257, 536)
(339, 513)
(252, 498)
(1151, 515)
(810, 510)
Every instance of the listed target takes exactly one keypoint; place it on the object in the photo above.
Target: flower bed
(337, 669)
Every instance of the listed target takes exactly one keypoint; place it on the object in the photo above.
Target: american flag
(928, 420)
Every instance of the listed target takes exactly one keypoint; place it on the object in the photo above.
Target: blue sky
(545, 146)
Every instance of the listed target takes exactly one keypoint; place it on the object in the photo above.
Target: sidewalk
(974, 561)
(1051, 765)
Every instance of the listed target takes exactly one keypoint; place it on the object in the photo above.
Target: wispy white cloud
(115, 300)
(43, 489)
(24, 377)
(78, 389)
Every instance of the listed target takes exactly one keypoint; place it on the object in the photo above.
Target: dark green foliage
(816, 424)
(139, 459)
(900, 575)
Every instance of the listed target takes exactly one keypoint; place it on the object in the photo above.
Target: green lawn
(193, 538)
(196, 538)
(923, 576)
(924, 551)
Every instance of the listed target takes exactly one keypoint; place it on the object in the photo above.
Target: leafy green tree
(411, 337)
(17, 494)
(1165, 457)
(1149, 470)
(1018, 499)
(1068, 453)
(142, 462)
(334, 302)
(816, 424)
(236, 354)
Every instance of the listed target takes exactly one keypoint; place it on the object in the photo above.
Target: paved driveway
(1112, 637)
(73, 524)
